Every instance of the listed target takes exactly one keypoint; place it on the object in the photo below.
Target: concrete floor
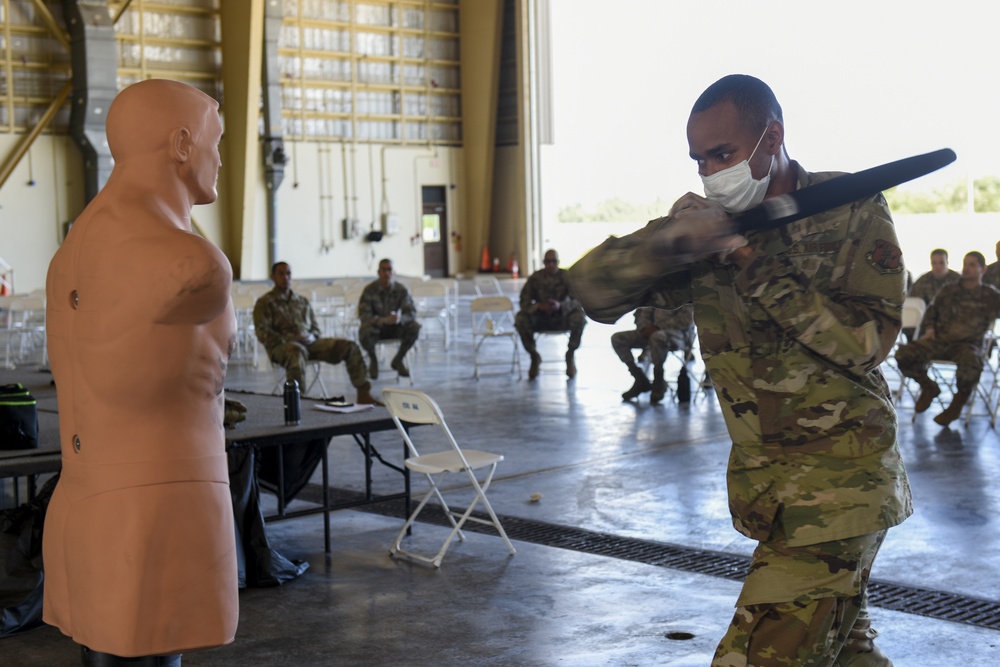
(625, 469)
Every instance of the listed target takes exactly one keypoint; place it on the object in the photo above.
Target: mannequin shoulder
(187, 277)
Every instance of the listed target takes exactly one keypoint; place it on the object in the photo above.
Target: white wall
(32, 216)
(315, 196)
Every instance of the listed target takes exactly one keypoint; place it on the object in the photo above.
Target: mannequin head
(157, 122)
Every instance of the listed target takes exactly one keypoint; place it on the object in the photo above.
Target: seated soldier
(285, 325)
(386, 310)
(661, 331)
(547, 304)
(953, 329)
(928, 285)
(992, 275)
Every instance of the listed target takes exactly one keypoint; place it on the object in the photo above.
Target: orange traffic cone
(484, 264)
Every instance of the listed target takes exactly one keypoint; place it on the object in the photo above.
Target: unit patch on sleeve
(885, 257)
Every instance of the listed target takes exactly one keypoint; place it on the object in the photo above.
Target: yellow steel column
(242, 45)
(480, 28)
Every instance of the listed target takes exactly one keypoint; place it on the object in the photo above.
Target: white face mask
(735, 188)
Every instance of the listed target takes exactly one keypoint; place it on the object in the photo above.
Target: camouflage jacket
(377, 301)
(992, 275)
(927, 286)
(541, 287)
(678, 323)
(277, 320)
(960, 315)
(793, 344)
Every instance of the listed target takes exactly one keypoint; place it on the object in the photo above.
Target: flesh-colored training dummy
(139, 546)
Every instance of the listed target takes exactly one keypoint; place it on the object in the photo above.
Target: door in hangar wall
(434, 231)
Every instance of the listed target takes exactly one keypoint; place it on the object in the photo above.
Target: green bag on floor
(18, 418)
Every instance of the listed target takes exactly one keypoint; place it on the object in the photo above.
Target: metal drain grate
(938, 605)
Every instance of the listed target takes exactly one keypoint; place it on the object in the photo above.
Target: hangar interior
(421, 120)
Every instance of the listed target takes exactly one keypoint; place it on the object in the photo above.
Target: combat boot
(373, 366)
(928, 392)
(570, 365)
(953, 411)
(659, 387)
(536, 361)
(640, 386)
(398, 366)
(365, 395)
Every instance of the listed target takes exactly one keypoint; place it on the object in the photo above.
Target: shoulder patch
(885, 257)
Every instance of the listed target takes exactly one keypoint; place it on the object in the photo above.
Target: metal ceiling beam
(22, 146)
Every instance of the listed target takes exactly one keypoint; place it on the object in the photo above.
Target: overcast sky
(860, 83)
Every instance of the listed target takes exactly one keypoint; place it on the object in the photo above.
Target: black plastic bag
(259, 564)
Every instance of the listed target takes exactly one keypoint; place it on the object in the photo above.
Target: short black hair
(274, 267)
(754, 100)
(978, 255)
(939, 251)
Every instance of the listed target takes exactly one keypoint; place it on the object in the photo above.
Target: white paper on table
(357, 407)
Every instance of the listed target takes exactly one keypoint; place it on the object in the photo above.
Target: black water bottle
(684, 386)
(293, 414)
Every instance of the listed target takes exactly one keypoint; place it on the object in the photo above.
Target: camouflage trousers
(623, 342)
(294, 356)
(528, 324)
(914, 359)
(805, 607)
(369, 334)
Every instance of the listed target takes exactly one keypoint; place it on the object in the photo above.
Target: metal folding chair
(493, 318)
(432, 303)
(487, 285)
(408, 406)
(280, 375)
(913, 313)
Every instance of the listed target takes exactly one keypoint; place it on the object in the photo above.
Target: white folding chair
(492, 318)
(328, 302)
(25, 330)
(432, 304)
(408, 406)
(548, 333)
(246, 339)
(487, 285)
(451, 298)
(383, 356)
(912, 315)
(349, 321)
(280, 375)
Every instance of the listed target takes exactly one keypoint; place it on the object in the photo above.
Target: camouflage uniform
(675, 331)
(793, 344)
(540, 287)
(377, 302)
(992, 275)
(279, 320)
(960, 318)
(927, 285)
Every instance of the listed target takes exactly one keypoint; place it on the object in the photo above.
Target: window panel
(377, 68)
